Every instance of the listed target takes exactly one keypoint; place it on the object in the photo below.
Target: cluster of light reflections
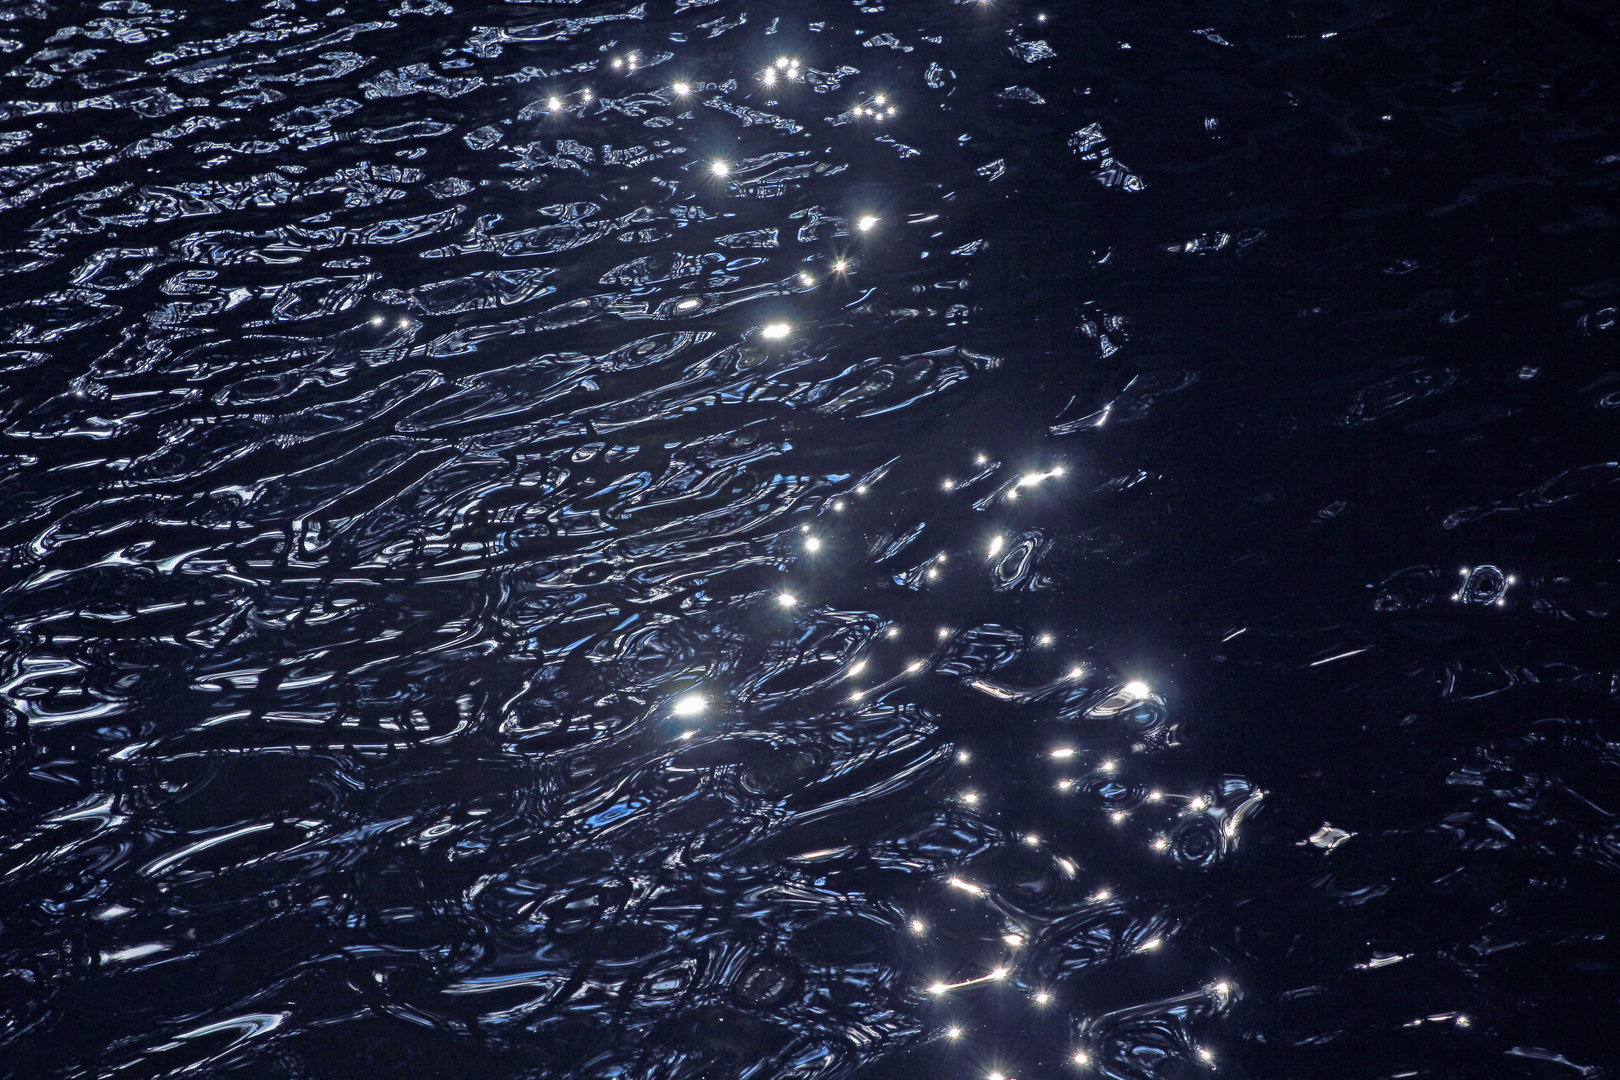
(881, 664)
(869, 674)
(786, 68)
(1039, 998)
(877, 108)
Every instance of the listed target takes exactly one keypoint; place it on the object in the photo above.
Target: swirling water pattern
(700, 539)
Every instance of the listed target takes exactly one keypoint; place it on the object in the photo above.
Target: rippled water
(696, 539)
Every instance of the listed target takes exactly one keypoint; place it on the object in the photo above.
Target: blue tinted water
(711, 540)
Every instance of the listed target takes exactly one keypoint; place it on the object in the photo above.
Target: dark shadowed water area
(708, 539)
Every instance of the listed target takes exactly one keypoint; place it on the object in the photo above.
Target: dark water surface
(717, 539)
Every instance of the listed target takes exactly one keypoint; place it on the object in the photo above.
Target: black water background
(340, 657)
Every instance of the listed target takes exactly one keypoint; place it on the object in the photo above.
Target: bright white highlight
(776, 331)
(690, 705)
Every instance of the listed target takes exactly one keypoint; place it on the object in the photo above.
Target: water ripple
(681, 540)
